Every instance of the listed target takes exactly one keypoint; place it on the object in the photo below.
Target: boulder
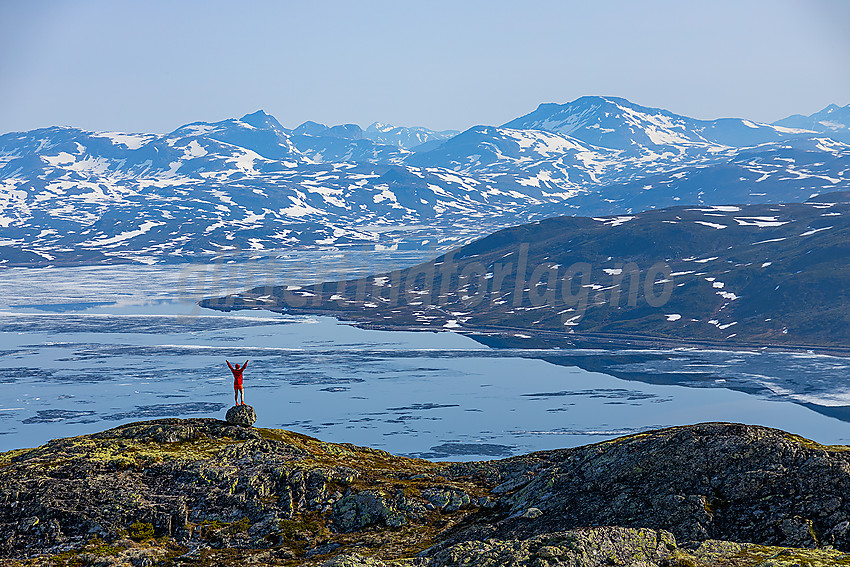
(241, 415)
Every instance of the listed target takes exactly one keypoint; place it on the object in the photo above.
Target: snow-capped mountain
(616, 123)
(407, 138)
(206, 189)
(377, 132)
(379, 143)
(833, 120)
(252, 186)
(607, 155)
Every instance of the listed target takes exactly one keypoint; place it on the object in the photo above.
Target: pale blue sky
(153, 65)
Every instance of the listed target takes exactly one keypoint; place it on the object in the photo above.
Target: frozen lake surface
(85, 349)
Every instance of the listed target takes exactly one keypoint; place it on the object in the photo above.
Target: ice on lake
(85, 349)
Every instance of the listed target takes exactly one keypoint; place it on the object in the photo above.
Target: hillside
(728, 275)
(202, 492)
(249, 187)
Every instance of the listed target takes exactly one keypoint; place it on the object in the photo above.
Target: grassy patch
(239, 526)
(215, 529)
(140, 531)
(809, 444)
(293, 529)
(6, 458)
(622, 439)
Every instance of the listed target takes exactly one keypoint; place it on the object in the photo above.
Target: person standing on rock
(237, 381)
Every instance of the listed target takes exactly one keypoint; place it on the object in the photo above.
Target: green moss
(213, 528)
(99, 547)
(684, 560)
(323, 454)
(140, 531)
(74, 558)
(6, 458)
(105, 549)
(66, 558)
(751, 555)
(214, 525)
(126, 454)
(239, 526)
(290, 437)
(809, 444)
(293, 529)
(622, 439)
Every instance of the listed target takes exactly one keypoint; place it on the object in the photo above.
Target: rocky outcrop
(206, 483)
(604, 547)
(204, 491)
(242, 414)
(709, 481)
(591, 547)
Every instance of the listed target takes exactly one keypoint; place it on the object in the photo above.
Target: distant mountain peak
(258, 114)
(310, 128)
(379, 127)
(597, 101)
(601, 99)
(381, 133)
(611, 122)
(261, 119)
(617, 123)
(344, 131)
(833, 120)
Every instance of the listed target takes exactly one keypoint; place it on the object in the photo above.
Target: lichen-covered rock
(725, 553)
(243, 415)
(709, 481)
(603, 547)
(446, 500)
(589, 547)
(357, 560)
(207, 484)
(206, 492)
(368, 508)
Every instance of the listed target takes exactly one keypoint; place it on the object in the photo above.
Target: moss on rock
(203, 492)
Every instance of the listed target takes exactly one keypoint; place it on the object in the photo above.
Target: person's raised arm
(245, 365)
(228, 364)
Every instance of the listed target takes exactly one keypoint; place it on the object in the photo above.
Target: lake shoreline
(519, 337)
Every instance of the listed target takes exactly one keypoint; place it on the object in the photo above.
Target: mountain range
(251, 187)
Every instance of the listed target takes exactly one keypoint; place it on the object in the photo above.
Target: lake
(86, 349)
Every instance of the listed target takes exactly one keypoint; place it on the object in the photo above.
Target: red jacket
(237, 374)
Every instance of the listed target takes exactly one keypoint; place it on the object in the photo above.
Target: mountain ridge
(601, 120)
(833, 120)
(240, 188)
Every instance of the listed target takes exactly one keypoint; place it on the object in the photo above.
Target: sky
(152, 66)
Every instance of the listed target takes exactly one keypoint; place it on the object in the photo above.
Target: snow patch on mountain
(251, 184)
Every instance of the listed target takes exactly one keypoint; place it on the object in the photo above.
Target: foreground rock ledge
(205, 492)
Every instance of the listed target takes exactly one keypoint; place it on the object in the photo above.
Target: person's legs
(242, 395)
(235, 396)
